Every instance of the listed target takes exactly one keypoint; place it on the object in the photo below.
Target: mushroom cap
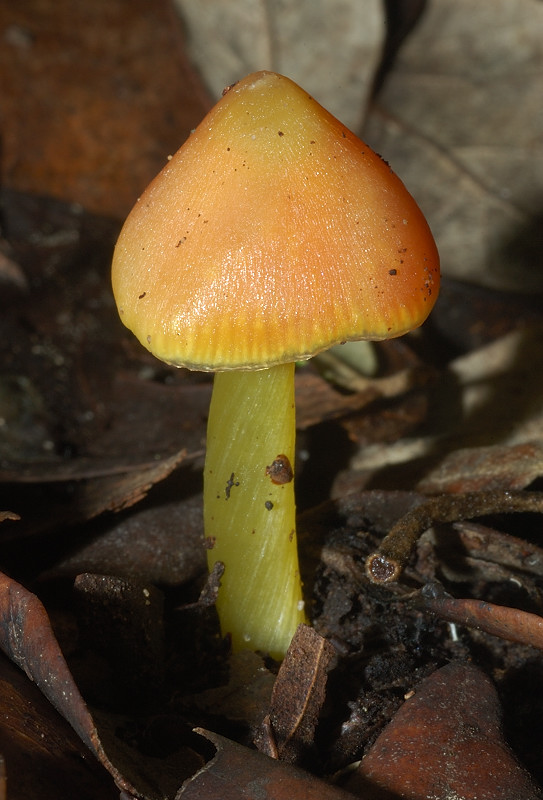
(271, 235)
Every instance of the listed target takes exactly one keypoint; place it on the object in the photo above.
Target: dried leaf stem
(386, 564)
(511, 624)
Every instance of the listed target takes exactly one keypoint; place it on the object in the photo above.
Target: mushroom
(271, 235)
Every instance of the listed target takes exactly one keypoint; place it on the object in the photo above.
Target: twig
(387, 563)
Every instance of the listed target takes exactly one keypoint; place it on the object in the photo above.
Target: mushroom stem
(249, 507)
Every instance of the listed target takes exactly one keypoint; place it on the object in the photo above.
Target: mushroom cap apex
(271, 235)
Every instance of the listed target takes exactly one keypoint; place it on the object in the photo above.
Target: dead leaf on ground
(332, 48)
(238, 773)
(453, 717)
(484, 544)
(26, 637)
(288, 731)
(458, 117)
(317, 401)
(161, 541)
(44, 508)
(485, 469)
(490, 396)
(95, 97)
(244, 698)
(33, 733)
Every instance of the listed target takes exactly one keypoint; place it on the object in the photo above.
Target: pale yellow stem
(249, 518)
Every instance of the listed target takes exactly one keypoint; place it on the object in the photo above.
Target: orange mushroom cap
(271, 235)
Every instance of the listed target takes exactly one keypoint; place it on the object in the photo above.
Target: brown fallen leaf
(459, 119)
(238, 773)
(485, 544)
(486, 468)
(489, 396)
(42, 756)
(243, 699)
(317, 401)
(288, 731)
(88, 498)
(94, 99)
(469, 552)
(122, 621)
(127, 489)
(161, 541)
(444, 742)
(342, 46)
(27, 639)
(468, 317)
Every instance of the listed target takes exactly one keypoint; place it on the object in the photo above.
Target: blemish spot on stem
(280, 470)
(229, 484)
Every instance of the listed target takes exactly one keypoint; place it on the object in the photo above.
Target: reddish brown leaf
(482, 542)
(478, 469)
(27, 639)
(318, 401)
(298, 694)
(95, 97)
(162, 542)
(480, 546)
(43, 758)
(472, 552)
(90, 498)
(245, 697)
(237, 773)
(444, 742)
